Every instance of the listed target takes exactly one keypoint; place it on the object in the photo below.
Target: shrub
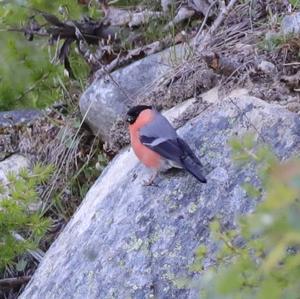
(268, 264)
(21, 224)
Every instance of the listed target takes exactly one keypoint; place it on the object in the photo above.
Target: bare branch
(205, 20)
(183, 14)
(11, 283)
(224, 10)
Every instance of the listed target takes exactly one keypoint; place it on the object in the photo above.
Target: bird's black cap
(135, 111)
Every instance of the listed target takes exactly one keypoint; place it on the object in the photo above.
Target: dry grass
(226, 54)
(230, 53)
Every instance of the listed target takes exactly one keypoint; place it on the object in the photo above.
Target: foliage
(267, 265)
(295, 3)
(153, 30)
(88, 173)
(19, 214)
(278, 41)
(28, 75)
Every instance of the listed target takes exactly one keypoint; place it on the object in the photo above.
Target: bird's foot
(150, 181)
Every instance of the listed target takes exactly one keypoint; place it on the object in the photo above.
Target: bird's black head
(134, 112)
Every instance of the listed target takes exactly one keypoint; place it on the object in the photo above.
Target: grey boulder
(14, 164)
(291, 24)
(106, 99)
(131, 241)
(18, 117)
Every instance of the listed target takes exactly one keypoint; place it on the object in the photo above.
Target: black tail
(191, 163)
(194, 169)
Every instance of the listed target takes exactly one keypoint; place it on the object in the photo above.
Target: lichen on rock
(131, 241)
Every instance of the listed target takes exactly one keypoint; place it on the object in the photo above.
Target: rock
(245, 49)
(10, 123)
(271, 40)
(292, 81)
(201, 6)
(14, 163)
(166, 5)
(104, 101)
(267, 67)
(214, 95)
(291, 24)
(32, 133)
(18, 117)
(293, 106)
(131, 241)
(182, 14)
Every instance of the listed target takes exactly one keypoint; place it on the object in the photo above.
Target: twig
(245, 64)
(204, 21)
(146, 50)
(183, 14)
(117, 84)
(247, 118)
(32, 87)
(47, 193)
(229, 244)
(106, 71)
(11, 283)
(37, 254)
(55, 57)
(250, 14)
(222, 15)
(38, 33)
(224, 10)
(292, 63)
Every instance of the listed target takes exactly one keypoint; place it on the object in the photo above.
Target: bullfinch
(157, 145)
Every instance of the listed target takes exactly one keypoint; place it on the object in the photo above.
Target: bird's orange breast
(144, 154)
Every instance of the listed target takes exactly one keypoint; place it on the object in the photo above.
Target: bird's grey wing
(169, 149)
(159, 127)
(161, 137)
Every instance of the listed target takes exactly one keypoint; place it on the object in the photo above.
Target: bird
(157, 145)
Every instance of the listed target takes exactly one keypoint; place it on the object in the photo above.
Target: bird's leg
(150, 181)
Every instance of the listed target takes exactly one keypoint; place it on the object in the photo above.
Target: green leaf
(269, 265)
(236, 144)
(230, 281)
(215, 226)
(17, 217)
(248, 140)
(2, 188)
(251, 190)
(270, 289)
(21, 265)
(201, 251)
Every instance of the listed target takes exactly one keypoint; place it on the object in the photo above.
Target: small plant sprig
(19, 213)
(267, 265)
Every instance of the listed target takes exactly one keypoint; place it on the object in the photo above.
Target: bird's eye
(130, 119)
